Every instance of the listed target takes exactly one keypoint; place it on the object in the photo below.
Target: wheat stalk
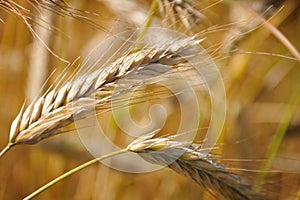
(79, 95)
(184, 158)
(69, 173)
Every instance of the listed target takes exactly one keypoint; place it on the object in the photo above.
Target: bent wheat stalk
(69, 173)
(183, 158)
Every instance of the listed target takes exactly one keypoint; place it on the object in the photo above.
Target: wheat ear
(189, 161)
(184, 12)
(80, 94)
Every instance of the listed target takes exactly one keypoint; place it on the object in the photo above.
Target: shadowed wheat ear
(81, 94)
(182, 11)
(188, 160)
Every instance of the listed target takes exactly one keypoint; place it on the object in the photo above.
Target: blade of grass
(278, 138)
(72, 171)
(152, 11)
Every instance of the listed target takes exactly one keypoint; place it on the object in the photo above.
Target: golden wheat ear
(78, 96)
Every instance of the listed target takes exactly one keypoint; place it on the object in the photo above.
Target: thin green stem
(72, 171)
(278, 137)
(141, 37)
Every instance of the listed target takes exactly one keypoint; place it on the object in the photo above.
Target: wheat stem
(8, 147)
(153, 8)
(72, 171)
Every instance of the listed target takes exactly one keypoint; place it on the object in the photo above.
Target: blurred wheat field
(260, 74)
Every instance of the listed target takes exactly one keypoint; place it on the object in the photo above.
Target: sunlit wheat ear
(80, 94)
(189, 161)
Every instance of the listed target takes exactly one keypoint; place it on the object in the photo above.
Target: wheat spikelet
(182, 11)
(189, 161)
(79, 95)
